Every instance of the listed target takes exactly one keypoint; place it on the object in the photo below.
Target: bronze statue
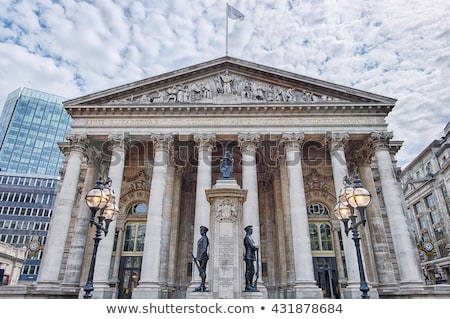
(250, 256)
(202, 257)
(226, 165)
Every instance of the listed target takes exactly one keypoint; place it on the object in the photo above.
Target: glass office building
(31, 124)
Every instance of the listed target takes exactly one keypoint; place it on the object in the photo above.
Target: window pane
(140, 238)
(314, 237)
(325, 236)
(130, 236)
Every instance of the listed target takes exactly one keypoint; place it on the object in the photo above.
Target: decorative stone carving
(315, 181)
(78, 142)
(226, 210)
(225, 83)
(248, 141)
(292, 141)
(380, 140)
(205, 140)
(337, 140)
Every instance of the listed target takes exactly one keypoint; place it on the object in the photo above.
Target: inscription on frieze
(231, 121)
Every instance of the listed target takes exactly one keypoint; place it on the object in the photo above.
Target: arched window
(138, 208)
(317, 209)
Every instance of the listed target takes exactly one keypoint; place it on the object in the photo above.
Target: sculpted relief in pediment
(225, 88)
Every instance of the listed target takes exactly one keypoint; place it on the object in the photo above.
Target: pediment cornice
(229, 83)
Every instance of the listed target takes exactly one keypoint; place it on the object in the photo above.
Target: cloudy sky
(396, 48)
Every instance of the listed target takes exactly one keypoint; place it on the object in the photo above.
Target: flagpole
(226, 28)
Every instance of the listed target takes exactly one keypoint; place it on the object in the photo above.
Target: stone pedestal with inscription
(226, 239)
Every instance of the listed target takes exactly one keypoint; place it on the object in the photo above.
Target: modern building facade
(32, 123)
(293, 140)
(426, 184)
(26, 208)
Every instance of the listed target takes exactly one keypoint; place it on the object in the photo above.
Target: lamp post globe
(99, 199)
(351, 198)
(96, 198)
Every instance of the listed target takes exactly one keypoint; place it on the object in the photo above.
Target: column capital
(78, 142)
(93, 155)
(205, 140)
(162, 140)
(248, 141)
(363, 156)
(121, 141)
(292, 141)
(380, 140)
(337, 141)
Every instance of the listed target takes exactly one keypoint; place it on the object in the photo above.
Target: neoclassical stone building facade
(293, 140)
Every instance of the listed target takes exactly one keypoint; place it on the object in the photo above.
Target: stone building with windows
(11, 263)
(293, 139)
(426, 184)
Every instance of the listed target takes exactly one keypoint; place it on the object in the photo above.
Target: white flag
(234, 13)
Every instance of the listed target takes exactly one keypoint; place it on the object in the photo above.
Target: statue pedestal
(227, 273)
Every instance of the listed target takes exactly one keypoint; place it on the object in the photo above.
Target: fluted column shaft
(104, 255)
(72, 273)
(248, 144)
(304, 271)
(336, 143)
(404, 247)
(57, 235)
(205, 144)
(149, 283)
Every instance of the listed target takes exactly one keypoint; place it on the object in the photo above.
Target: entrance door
(326, 275)
(129, 275)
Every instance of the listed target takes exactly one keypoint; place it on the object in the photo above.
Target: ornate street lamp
(351, 198)
(99, 199)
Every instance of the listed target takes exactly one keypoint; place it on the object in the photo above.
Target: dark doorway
(129, 275)
(326, 275)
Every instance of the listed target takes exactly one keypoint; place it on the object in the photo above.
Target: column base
(306, 291)
(101, 291)
(353, 292)
(147, 291)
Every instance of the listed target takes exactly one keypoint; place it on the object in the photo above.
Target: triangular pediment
(229, 81)
(414, 184)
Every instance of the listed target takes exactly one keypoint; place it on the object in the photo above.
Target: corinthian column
(305, 284)
(248, 144)
(149, 284)
(104, 257)
(404, 247)
(57, 235)
(380, 247)
(80, 232)
(336, 144)
(205, 144)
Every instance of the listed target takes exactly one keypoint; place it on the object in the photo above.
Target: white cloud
(399, 48)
